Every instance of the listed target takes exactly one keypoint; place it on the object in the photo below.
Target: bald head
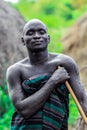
(34, 22)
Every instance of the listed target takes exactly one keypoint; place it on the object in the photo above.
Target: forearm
(31, 104)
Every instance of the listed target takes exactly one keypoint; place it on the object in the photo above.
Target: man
(36, 85)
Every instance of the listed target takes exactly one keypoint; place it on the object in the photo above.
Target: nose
(37, 35)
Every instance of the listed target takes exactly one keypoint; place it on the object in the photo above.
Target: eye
(42, 31)
(30, 32)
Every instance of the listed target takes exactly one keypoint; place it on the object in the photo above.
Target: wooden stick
(76, 101)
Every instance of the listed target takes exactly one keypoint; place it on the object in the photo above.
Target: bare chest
(30, 71)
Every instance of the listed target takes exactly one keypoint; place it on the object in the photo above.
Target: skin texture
(39, 61)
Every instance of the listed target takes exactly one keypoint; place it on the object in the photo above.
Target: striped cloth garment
(53, 115)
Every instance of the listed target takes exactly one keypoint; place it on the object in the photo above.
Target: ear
(48, 38)
(22, 39)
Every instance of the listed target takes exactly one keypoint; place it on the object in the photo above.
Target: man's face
(35, 36)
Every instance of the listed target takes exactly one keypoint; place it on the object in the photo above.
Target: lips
(37, 42)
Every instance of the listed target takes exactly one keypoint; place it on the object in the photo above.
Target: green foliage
(57, 14)
(61, 10)
(73, 111)
(6, 110)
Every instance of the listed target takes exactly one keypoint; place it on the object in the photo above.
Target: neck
(38, 57)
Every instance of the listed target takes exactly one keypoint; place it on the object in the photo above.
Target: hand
(60, 75)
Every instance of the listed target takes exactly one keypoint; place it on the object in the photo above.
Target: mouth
(37, 42)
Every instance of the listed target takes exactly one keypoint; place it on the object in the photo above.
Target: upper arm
(74, 80)
(14, 85)
(73, 71)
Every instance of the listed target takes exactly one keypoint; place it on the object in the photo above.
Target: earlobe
(22, 39)
(48, 38)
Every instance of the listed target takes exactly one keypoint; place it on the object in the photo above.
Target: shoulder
(15, 69)
(66, 58)
(65, 61)
(12, 71)
(62, 57)
(69, 63)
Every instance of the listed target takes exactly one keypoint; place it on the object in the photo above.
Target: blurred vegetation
(58, 15)
(6, 110)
